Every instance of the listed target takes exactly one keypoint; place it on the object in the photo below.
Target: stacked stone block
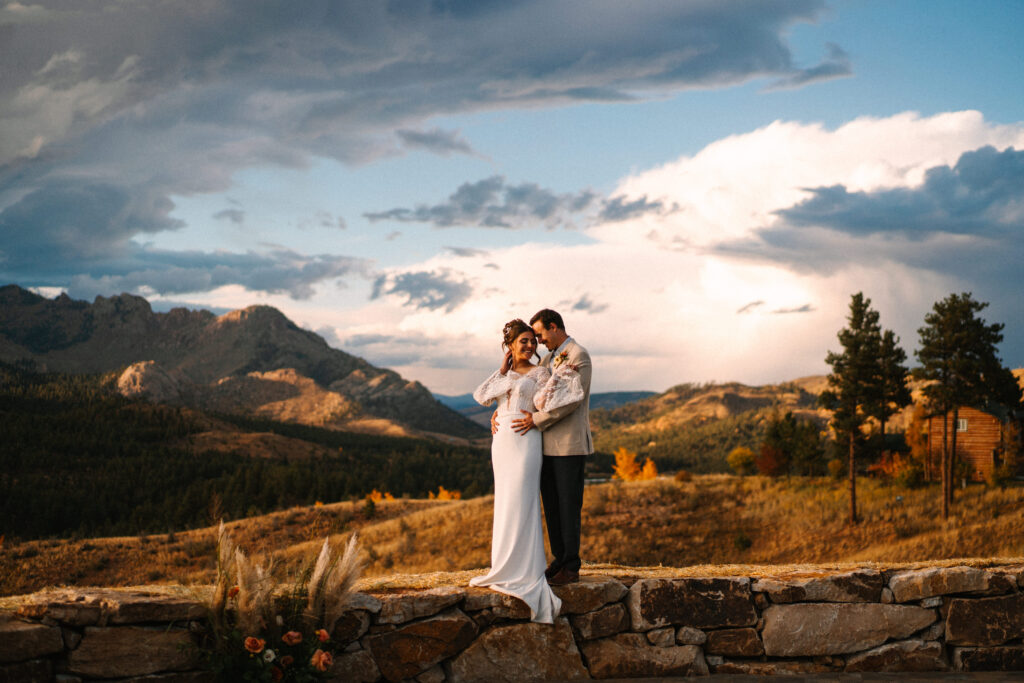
(931, 619)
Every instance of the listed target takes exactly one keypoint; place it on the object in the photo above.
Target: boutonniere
(560, 358)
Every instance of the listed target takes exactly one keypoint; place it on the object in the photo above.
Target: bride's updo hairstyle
(513, 328)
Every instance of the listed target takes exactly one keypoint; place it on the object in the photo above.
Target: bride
(517, 542)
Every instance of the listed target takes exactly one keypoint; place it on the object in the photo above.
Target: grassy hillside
(711, 519)
(694, 426)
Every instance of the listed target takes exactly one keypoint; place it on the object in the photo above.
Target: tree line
(77, 458)
(959, 366)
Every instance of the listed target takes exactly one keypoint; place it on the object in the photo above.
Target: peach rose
(254, 645)
(322, 636)
(292, 638)
(321, 660)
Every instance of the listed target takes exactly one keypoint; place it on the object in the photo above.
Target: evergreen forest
(78, 459)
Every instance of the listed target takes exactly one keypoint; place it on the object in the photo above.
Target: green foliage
(960, 362)
(790, 446)
(868, 380)
(78, 458)
(958, 355)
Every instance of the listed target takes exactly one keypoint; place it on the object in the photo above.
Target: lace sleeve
(563, 388)
(493, 388)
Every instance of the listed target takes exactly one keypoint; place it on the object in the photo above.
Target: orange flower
(254, 645)
(292, 638)
(321, 660)
(233, 591)
(322, 635)
(287, 661)
(276, 673)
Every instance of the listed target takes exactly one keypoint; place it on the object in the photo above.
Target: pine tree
(895, 393)
(855, 384)
(959, 360)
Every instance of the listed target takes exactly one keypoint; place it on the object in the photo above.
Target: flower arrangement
(264, 632)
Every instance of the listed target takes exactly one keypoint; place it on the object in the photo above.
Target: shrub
(742, 460)
(771, 461)
(683, 475)
(742, 541)
(836, 468)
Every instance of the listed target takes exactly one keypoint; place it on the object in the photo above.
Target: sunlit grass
(708, 525)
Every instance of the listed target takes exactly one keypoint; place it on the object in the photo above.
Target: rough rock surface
(413, 648)
(354, 667)
(106, 606)
(904, 655)
(1010, 658)
(147, 379)
(605, 622)
(734, 642)
(33, 671)
(687, 635)
(777, 668)
(864, 585)
(810, 629)
(351, 625)
(363, 601)
(588, 594)
(132, 651)
(400, 608)
(918, 584)
(20, 640)
(521, 652)
(985, 621)
(662, 637)
(629, 655)
(701, 603)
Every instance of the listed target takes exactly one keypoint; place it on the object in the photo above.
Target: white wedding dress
(517, 541)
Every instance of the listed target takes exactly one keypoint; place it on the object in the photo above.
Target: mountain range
(251, 361)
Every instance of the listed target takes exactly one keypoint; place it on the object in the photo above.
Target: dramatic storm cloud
(109, 110)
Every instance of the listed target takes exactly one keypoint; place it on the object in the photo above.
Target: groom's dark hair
(547, 317)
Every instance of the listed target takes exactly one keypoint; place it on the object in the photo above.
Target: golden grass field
(709, 525)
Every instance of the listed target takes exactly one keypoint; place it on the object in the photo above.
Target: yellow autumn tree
(376, 496)
(626, 467)
(445, 494)
(650, 470)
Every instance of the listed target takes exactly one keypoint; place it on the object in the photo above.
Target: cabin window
(961, 424)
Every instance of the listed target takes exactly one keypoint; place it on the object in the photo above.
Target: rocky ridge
(254, 360)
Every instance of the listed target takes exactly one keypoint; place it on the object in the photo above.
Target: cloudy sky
(697, 185)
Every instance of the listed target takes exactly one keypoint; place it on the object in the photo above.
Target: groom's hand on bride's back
(494, 423)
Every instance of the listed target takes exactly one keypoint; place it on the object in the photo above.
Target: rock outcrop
(185, 354)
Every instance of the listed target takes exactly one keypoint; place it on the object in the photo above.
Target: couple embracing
(541, 439)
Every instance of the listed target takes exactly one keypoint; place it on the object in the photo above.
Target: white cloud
(672, 300)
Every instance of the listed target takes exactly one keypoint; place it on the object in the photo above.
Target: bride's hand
(506, 364)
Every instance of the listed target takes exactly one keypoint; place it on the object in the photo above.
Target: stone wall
(933, 619)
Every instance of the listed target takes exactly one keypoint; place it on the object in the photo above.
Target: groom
(567, 443)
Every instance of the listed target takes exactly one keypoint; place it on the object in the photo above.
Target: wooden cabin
(979, 441)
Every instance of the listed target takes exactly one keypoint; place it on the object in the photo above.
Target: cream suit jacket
(566, 430)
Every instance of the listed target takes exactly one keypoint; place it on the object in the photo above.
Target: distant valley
(467, 405)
